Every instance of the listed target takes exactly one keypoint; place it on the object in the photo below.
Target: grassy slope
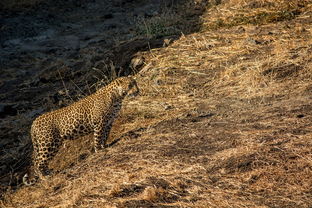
(224, 120)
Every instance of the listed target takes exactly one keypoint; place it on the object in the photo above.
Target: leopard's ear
(120, 90)
(131, 76)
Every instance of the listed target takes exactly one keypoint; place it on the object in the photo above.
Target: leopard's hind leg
(45, 150)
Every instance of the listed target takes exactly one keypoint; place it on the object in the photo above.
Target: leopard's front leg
(104, 126)
(101, 136)
(98, 132)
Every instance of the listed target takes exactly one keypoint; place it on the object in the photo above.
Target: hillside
(223, 118)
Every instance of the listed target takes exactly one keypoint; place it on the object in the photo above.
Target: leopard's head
(127, 86)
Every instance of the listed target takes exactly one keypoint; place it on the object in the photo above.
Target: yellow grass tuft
(151, 193)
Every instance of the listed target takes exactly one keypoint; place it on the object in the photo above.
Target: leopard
(93, 114)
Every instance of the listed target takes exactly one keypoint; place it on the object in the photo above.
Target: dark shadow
(114, 142)
(54, 52)
(133, 134)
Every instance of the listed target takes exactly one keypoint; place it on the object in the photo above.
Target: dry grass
(223, 120)
(256, 12)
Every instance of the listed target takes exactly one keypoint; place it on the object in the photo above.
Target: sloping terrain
(52, 53)
(223, 120)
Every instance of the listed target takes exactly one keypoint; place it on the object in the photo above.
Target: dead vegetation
(223, 120)
(256, 12)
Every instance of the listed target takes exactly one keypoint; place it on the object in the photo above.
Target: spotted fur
(92, 114)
